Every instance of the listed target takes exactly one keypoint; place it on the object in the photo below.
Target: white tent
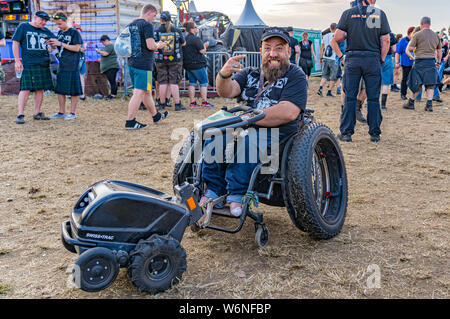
(249, 17)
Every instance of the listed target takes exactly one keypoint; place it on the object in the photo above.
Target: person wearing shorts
(387, 72)
(194, 62)
(169, 60)
(328, 60)
(2, 73)
(31, 39)
(140, 66)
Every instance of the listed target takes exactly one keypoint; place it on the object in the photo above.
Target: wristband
(224, 77)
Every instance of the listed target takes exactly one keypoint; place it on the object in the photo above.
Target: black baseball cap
(275, 32)
(43, 15)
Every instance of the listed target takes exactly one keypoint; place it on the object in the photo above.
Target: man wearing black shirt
(277, 87)
(367, 31)
(294, 44)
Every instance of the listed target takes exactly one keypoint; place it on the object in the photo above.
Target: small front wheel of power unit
(157, 264)
(262, 235)
(95, 269)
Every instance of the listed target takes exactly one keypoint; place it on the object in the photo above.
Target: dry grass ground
(397, 220)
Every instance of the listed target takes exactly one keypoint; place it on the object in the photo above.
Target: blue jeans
(232, 176)
(368, 66)
(199, 75)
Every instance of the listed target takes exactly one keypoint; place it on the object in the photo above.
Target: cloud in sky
(318, 14)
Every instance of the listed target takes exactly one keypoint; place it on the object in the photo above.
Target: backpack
(122, 46)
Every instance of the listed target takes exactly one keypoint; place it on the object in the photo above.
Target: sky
(319, 14)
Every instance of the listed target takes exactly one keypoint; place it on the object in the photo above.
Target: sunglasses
(59, 17)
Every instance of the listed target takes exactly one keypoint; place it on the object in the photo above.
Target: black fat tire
(315, 140)
(95, 269)
(161, 253)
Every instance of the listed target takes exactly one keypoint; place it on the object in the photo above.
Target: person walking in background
(404, 61)
(328, 59)
(306, 55)
(293, 44)
(140, 66)
(195, 63)
(169, 60)
(394, 87)
(387, 72)
(109, 66)
(34, 67)
(367, 32)
(2, 73)
(68, 81)
(426, 46)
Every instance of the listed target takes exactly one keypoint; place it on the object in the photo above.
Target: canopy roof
(249, 17)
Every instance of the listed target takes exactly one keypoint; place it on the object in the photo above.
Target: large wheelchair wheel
(316, 189)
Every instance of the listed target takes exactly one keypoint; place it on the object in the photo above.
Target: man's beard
(272, 74)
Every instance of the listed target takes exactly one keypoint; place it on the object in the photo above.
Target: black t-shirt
(293, 43)
(364, 34)
(444, 51)
(192, 58)
(305, 50)
(293, 87)
(69, 60)
(141, 57)
(32, 44)
(174, 39)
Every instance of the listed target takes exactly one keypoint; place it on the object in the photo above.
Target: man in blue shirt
(403, 60)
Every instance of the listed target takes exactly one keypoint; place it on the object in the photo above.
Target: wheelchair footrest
(224, 212)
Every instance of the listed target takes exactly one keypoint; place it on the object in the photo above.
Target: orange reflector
(191, 203)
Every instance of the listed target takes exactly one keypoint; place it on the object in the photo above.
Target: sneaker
(179, 107)
(162, 106)
(40, 116)
(207, 104)
(319, 92)
(58, 116)
(142, 106)
(134, 125)
(20, 119)
(345, 137)
(394, 88)
(375, 138)
(403, 97)
(158, 118)
(383, 107)
(194, 105)
(110, 97)
(82, 98)
(338, 91)
(70, 116)
(437, 99)
(330, 94)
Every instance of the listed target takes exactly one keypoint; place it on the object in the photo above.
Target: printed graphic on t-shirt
(36, 41)
(169, 39)
(269, 92)
(136, 49)
(67, 39)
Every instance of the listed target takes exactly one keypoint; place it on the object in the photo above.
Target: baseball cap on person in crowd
(42, 14)
(165, 16)
(275, 32)
(289, 29)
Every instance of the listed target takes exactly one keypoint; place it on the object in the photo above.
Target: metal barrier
(253, 58)
(215, 61)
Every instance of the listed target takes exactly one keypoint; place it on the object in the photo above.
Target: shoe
(110, 97)
(375, 138)
(134, 125)
(58, 116)
(437, 99)
(394, 88)
(40, 116)
(194, 105)
(162, 116)
(70, 116)
(162, 106)
(82, 98)
(319, 92)
(345, 137)
(429, 108)
(207, 104)
(360, 117)
(338, 91)
(409, 105)
(204, 200)
(403, 97)
(236, 209)
(179, 107)
(20, 119)
(330, 94)
(383, 107)
(142, 106)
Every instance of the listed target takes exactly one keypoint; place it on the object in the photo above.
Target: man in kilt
(34, 69)
(68, 81)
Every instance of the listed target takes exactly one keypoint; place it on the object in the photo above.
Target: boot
(359, 116)
(409, 105)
